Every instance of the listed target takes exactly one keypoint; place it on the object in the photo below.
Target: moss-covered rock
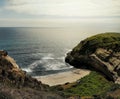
(105, 40)
(101, 52)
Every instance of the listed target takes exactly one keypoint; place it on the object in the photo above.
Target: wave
(28, 70)
(68, 50)
(48, 62)
(49, 56)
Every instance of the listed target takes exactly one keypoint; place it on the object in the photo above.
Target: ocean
(39, 51)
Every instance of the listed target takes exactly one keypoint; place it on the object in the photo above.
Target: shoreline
(64, 77)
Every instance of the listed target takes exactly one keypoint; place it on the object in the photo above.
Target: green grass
(93, 84)
(104, 40)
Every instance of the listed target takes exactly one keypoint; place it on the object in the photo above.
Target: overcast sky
(44, 12)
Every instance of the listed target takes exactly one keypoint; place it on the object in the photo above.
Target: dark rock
(3, 53)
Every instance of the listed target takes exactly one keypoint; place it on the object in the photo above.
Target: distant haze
(84, 15)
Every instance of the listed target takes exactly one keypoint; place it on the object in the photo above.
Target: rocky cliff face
(16, 84)
(11, 73)
(101, 52)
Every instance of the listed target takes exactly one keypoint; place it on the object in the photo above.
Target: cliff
(16, 84)
(101, 52)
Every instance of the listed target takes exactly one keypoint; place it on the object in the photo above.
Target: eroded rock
(11, 73)
(101, 52)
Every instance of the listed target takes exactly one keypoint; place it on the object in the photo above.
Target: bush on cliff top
(104, 40)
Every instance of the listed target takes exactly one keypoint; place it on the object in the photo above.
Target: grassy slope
(93, 84)
(105, 40)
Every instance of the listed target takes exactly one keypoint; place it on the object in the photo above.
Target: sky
(59, 13)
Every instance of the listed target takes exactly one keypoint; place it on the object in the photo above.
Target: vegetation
(106, 40)
(93, 84)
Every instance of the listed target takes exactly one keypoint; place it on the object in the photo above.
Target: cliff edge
(101, 52)
(11, 73)
(16, 84)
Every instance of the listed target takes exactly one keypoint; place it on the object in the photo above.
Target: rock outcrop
(101, 52)
(16, 84)
(11, 73)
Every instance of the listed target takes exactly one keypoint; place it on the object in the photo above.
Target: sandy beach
(64, 77)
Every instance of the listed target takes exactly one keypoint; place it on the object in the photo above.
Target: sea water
(39, 51)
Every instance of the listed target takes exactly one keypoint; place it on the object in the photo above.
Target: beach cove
(64, 77)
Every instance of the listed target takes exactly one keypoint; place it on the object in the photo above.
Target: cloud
(67, 8)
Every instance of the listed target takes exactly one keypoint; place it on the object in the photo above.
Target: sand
(64, 77)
